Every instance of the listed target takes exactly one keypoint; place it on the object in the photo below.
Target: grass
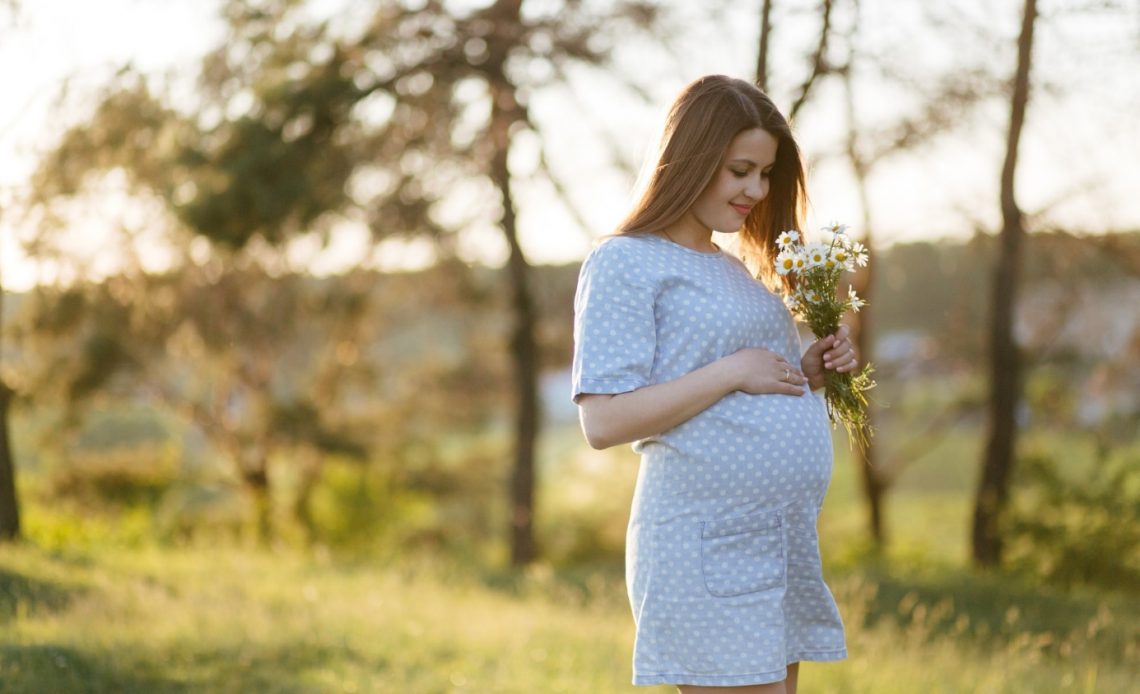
(237, 620)
(245, 620)
(92, 604)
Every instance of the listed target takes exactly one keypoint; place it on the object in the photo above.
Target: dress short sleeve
(615, 334)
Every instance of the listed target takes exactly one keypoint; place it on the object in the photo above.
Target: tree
(247, 359)
(946, 102)
(874, 481)
(820, 67)
(819, 63)
(9, 502)
(302, 125)
(1005, 363)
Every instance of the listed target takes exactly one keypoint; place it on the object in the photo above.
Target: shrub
(115, 478)
(1071, 531)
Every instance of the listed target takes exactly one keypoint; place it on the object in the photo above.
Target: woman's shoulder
(621, 249)
(625, 258)
(623, 243)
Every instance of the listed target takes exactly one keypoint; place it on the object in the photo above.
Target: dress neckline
(713, 254)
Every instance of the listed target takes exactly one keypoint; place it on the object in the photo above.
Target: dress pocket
(744, 554)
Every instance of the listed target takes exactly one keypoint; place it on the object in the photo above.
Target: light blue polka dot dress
(722, 553)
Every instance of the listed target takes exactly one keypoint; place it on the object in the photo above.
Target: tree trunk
(505, 112)
(762, 57)
(251, 463)
(524, 352)
(309, 463)
(1004, 360)
(9, 506)
(256, 483)
(9, 503)
(874, 483)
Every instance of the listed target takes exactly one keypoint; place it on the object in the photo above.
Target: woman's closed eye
(741, 174)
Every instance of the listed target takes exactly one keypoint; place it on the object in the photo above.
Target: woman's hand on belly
(757, 371)
(611, 419)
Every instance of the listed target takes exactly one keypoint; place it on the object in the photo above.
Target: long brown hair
(702, 122)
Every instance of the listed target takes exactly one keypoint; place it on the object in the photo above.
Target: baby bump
(757, 447)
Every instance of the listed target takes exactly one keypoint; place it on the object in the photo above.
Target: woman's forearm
(610, 420)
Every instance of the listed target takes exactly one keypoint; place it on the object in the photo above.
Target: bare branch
(819, 65)
(762, 55)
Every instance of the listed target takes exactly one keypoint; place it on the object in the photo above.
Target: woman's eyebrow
(749, 162)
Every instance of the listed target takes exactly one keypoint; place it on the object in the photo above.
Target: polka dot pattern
(722, 553)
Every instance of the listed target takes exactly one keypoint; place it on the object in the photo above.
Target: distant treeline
(940, 288)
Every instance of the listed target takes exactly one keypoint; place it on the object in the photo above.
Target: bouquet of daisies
(817, 268)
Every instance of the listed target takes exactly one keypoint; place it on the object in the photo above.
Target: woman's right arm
(609, 420)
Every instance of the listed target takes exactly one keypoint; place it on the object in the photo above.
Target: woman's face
(739, 183)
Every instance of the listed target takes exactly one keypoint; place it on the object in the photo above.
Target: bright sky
(1078, 153)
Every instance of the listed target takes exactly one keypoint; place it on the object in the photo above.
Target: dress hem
(740, 680)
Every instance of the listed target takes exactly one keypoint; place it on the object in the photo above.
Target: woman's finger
(791, 376)
(838, 356)
(848, 364)
(789, 388)
(845, 360)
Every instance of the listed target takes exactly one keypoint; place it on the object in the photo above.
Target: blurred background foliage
(228, 404)
(412, 453)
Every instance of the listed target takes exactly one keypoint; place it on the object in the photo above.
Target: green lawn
(88, 605)
(233, 619)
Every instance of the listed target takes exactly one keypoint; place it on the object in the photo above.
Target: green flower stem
(814, 301)
(846, 398)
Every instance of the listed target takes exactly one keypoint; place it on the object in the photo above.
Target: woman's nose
(757, 188)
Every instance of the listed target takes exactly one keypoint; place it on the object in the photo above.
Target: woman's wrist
(724, 374)
(815, 381)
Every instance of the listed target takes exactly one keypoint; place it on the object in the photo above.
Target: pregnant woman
(682, 350)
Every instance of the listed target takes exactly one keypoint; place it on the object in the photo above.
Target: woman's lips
(742, 210)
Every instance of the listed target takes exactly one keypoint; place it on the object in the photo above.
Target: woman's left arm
(831, 352)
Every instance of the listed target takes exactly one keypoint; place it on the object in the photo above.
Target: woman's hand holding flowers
(830, 361)
(834, 352)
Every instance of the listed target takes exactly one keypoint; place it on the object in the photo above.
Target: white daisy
(856, 302)
(785, 262)
(816, 254)
(787, 238)
(836, 228)
(800, 262)
(844, 258)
